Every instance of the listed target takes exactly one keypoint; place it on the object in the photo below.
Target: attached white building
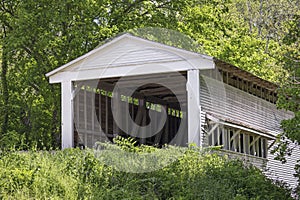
(161, 94)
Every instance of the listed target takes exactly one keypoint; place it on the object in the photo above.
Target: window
(237, 140)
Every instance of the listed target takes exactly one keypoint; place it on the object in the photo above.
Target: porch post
(193, 106)
(67, 124)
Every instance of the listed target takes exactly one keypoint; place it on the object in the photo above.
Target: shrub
(79, 174)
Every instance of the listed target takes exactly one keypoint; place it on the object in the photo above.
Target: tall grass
(79, 174)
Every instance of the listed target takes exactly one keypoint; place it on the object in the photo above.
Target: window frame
(237, 140)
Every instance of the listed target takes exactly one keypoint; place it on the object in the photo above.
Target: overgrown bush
(79, 174)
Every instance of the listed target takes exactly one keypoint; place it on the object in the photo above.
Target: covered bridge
(160, 94)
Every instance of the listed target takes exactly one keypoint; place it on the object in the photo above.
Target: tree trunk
(5, 94)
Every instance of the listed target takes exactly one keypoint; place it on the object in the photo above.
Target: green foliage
(221, 27)
(42, 35)
(289, 94)
(78, 174)
(130, 145)
(38, 36)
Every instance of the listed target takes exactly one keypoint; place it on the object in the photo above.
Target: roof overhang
(245, 75)
(230, 123)
(129, 55)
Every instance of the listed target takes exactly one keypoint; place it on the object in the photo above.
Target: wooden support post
(244, 144)
(222, 135)
(106, 113)
(256, 138)
(261, 148)
(218, 136)
(227, 81)
(143, 133)
(166, 131)
(85, 117)
(115, 107)
(247, 142)
(77, 98)
(67, 136)
(93, 117)
(239, 143)
(257, 147)
(265, 147)
(99, 114)
(235, 134)
(193, 99)
(157, 123)
(234, 142)
(229, 140)
(225, 140)
(139, 120)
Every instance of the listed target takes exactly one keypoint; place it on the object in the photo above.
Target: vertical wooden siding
(93, 119)
(236, 105)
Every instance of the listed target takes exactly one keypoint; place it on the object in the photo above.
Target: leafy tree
(39, 36)
(289, 95)
(219, 26)
(46, 34)
(6, 12)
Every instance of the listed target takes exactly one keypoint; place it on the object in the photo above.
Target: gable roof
(121, 43)
(128, 50)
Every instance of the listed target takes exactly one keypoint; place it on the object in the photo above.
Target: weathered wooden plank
(240, 106)
(284, 172)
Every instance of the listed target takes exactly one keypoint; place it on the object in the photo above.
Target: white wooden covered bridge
(161, 94)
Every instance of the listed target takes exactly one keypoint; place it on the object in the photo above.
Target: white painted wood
(93, 116)
(225, 138)
(243, 146)
(255, 139)
(284, 172)
(202, 127)
(115, 107)
(247, 147)
(247, 159)
(128, 70)
(128, 55)
(67, 115)
(130, 50)
(239, 107)
(247, 109)
(218, 136)
(99, 113)
(106, 114)
(77, 114)
(213, 129)
(85, 117)
(193, 99)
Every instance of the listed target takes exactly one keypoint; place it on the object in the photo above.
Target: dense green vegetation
(39, 36)
(79, 174)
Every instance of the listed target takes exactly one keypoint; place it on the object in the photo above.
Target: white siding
(284, 172)
(128, 55)
(134, 51)
(246, 159)
(240, 107)
(124, 53)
